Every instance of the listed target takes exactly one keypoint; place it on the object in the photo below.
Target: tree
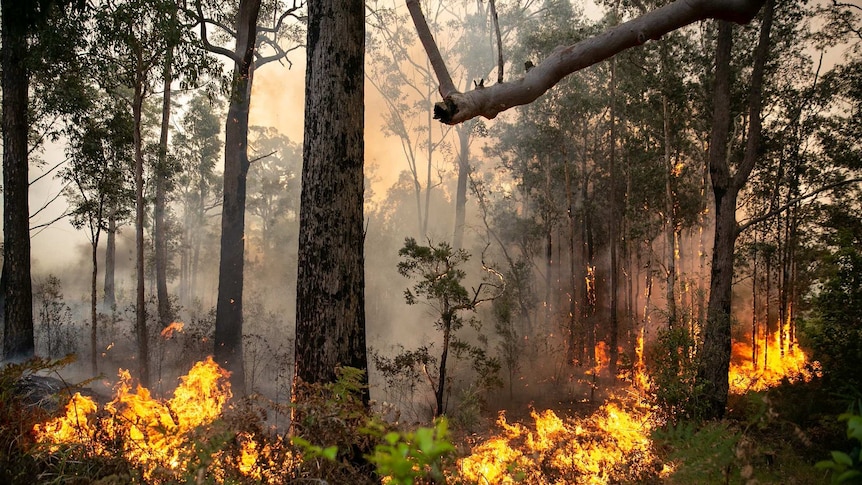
(715, 355)
(99, 188)
(20, 22)
(330, 299)
(439, 271)
(249, 54)
(198, 145)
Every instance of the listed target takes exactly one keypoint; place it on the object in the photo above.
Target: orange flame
(773, 366)
(168, 331)
(154, 434)
(583, 450)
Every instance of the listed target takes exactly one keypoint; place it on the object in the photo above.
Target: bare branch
(447, 87)
(489, 101)
(790, 203)
(215, 49)
(496, 20)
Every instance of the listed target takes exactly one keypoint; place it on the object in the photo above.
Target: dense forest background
(536, 258)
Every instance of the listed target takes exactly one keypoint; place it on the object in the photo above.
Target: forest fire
(155, 433)
(611, 445)
(774, 365)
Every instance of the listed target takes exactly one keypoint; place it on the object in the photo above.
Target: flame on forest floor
(154, 433)
(793, 365)
(611, 445)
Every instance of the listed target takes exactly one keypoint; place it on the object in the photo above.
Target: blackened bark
(330, 315)
(161, 175)
(18, 339)
(94, 315)
(715, 356)
(141, 332)
(229, 322)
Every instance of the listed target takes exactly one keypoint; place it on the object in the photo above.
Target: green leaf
(842, 458)
(330, 452)
(848, 476)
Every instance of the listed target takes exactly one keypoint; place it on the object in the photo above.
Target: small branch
(790, 203)
(488, 102)
(262, 157)
(47, 172)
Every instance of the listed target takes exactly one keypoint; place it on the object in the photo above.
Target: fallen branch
(489, 101)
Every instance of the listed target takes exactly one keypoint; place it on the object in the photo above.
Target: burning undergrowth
(611, 445)
(202, 435)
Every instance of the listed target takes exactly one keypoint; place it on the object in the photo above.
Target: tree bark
(715, 356)
(461, 187)
(161, 179)
(140, 302)
(18, 338)
(489, 101)
(109, 300)
(330, 315)
(229, 321)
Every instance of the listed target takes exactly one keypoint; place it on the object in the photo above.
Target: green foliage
(846, 467)
(834, 328)
(672, 370)
(408, 456)
(702, 454)
(439, 275)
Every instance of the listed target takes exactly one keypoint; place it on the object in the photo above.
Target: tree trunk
(94, 315)
(670, 224)
(140, 302)
(161, 178)
(18, 338)
(461, 187)
(229, 321)
(613, 233)
(441, 383)
(110, 300)
(330, 316)
(715, 358)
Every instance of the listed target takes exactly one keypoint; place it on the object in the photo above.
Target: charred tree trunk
(613, 233)
(140, 301)
(94, 315)
(18, 338)
(161, 178)
(330, 315)
(670, 223)
(229, 318)
(715, 356)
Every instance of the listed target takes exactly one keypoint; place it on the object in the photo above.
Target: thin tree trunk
(613, 233)
(161, 178)
(140, 302)
(110, 300)
(94, 316)
(670, 224)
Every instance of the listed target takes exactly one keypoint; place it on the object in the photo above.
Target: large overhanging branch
(489, 101)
